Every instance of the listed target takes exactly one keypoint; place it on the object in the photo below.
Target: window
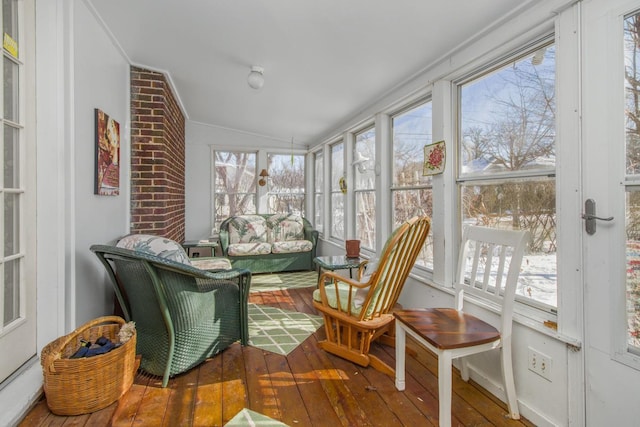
(234, 184)
(286, 183)
(365, 188)
(506, 155)
(318, 195)
(337, 186)
(411, 191)
(632, 181)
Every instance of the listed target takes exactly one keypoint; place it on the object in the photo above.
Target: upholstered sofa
(267, 243)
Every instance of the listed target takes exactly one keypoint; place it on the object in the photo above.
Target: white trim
(68, 159)
(383, 161)
(570, 299)
(443, 225)
(299, 146)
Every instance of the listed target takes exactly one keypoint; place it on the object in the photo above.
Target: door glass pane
(10, 90)
(11, 224)
(632, 136)
(11, 158)
(10, 18)
(633, 268)
(11, 291)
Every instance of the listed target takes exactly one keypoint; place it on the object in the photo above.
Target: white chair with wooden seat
(488, 267)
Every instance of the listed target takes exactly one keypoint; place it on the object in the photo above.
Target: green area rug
(281, 281)
(247, 417)
(279, 331)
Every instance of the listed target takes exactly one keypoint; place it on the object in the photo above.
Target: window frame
(526, 306)
(427, 185)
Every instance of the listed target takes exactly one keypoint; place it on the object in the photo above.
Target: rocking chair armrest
(336, 279)
(362, 268)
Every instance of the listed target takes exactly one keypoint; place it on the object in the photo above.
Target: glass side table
(337, 262)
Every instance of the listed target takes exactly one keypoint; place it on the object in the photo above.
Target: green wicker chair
(183, 315)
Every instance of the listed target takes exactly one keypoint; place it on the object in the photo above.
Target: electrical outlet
(540, 363)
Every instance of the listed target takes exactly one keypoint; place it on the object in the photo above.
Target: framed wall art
(107, 182)
(435, 156)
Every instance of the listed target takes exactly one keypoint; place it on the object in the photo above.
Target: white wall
(101, 80)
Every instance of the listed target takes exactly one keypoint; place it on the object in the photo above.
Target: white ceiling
(324, 60)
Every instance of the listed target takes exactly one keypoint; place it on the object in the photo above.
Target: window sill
(526, 316)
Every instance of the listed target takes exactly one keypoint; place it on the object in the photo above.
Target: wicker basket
(84, 385)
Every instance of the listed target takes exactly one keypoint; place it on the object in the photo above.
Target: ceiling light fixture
(256, 77)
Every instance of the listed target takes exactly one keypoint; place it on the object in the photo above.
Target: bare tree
(235, 184)
(519, 134)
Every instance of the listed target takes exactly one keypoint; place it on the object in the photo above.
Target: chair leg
(464, 369)
(401, 344)
(509, 384)
(444, 388)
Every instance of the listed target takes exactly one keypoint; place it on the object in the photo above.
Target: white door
(611, 178)
(17, 188)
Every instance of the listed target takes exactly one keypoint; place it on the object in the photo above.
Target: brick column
(157, 157)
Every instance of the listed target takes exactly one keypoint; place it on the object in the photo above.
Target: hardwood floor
(309, 387)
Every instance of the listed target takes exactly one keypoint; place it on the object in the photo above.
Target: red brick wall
(157, 157)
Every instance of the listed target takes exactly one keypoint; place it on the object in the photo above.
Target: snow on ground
(539, 278)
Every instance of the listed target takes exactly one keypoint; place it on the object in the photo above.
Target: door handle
(590, 217)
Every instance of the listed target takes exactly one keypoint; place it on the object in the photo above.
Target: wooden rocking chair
(356, 312)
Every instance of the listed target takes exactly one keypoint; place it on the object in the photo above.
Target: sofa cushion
(291, 246)
(155, 245)
(248, 229)
(357, 297)
(170, 249)
(244, 249)
(214, 263)
(285, 227)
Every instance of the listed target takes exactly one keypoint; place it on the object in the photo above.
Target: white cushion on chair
(155, 245)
